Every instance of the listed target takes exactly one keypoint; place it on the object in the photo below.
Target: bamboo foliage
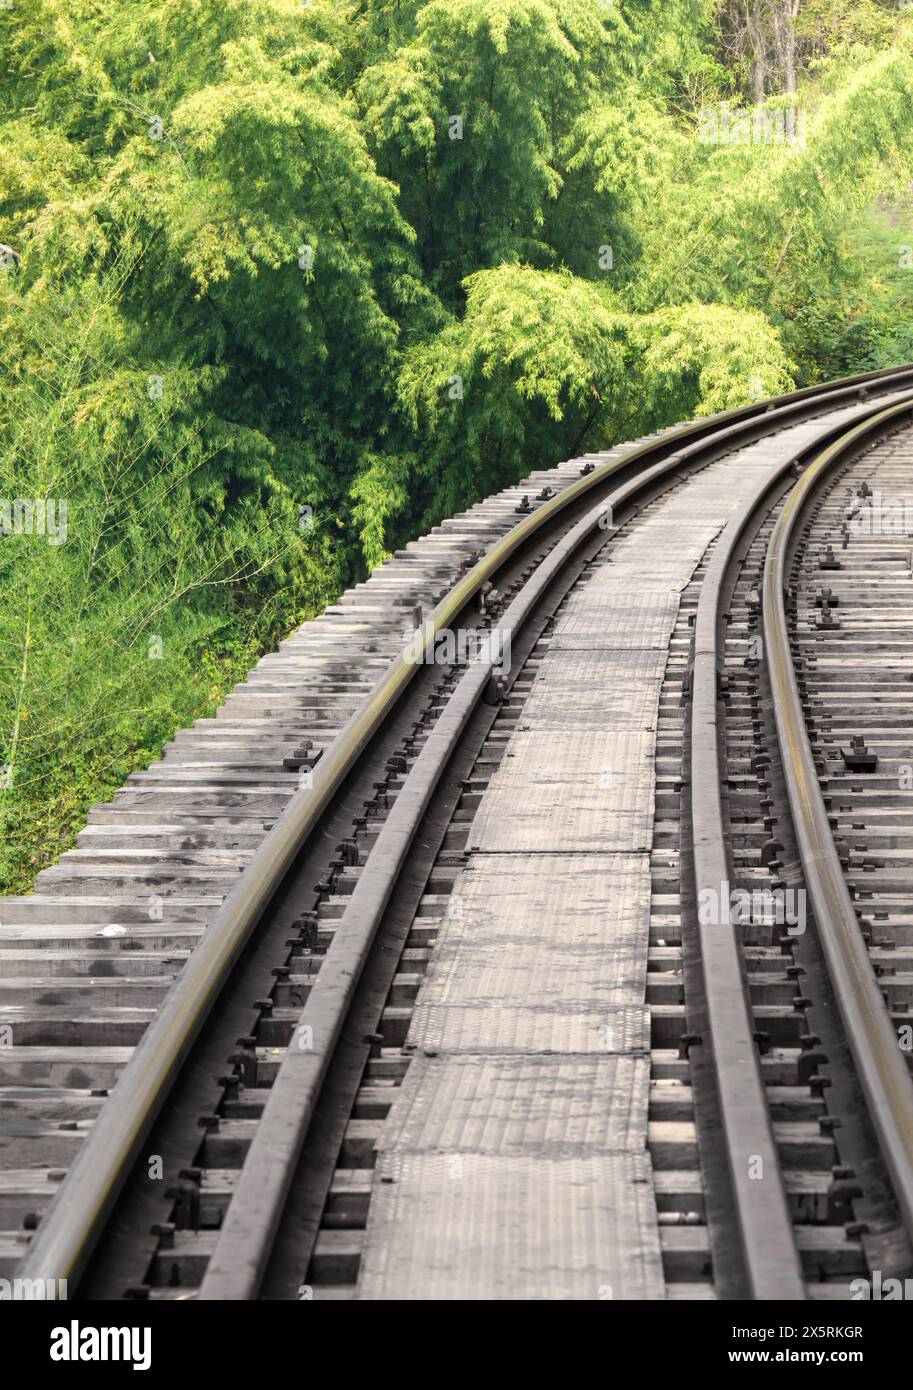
(283, 282)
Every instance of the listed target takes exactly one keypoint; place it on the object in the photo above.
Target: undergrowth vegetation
(283, 282)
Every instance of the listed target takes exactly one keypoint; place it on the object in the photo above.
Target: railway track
(566, 959)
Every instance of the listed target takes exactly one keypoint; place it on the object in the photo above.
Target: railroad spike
(165, 1232)
(686, 1042)
(840, 1196)
(859, 758)
(188, 1207)
(495, 690)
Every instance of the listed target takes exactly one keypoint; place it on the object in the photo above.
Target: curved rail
(245, 1238)
(879, 1063)
(239, 1262)
(767, 1246)
(70, 1229)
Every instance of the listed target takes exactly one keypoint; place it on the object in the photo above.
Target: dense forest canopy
(282, 282)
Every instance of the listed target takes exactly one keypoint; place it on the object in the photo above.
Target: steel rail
(769, 1258)
(879, 1062)
(238, 1264)
(70, 1228)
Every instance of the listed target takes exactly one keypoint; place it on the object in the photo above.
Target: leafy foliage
(282, 281)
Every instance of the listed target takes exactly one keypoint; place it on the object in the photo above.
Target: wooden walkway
(515, 1163)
